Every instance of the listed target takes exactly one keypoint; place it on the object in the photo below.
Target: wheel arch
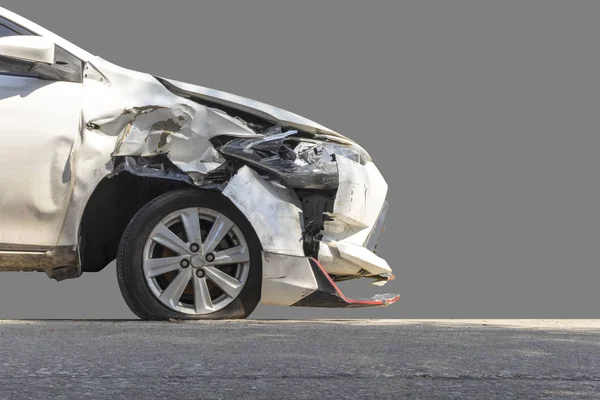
(113, 203)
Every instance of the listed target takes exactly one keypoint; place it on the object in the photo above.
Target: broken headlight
(298, 161)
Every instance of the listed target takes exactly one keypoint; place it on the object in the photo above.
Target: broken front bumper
(329, 295)
(350, 233)
(353, 229)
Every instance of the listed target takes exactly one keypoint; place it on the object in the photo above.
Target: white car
(209, 202)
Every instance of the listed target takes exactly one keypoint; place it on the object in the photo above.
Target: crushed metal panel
(363, 257)
(273, 210)
(361, 196)
(378, 228)
(266, 111)
(330, 256)
(286, 279)
(358, 216)
(180, 131)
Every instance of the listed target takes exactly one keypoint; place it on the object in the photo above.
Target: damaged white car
(209, 202)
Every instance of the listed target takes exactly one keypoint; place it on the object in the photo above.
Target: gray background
(483, 116)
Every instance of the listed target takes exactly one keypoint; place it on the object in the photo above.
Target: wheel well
(113, 204)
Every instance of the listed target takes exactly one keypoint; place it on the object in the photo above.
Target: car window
(12, 66)
(4, 31)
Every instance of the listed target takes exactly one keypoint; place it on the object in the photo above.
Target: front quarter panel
(130, 113)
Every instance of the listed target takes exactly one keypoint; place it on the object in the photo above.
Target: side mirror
(28, 48)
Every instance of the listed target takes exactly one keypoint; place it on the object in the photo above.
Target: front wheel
(190, 254)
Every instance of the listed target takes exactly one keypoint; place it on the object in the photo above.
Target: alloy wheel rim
(196, 261)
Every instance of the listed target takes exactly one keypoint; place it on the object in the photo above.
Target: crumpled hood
(151, 116)
(265, 111)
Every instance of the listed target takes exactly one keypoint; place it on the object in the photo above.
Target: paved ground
(300, 359)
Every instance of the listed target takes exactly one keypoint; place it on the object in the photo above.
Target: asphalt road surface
(300, 359)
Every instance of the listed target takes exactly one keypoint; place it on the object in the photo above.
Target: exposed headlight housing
(298, 161)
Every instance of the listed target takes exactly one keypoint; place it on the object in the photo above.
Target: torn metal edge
(329, 295)
(286, 279)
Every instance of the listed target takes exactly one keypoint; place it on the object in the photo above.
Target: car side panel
(40, 122)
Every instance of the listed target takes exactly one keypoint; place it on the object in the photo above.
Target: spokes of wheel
(190, 221)
(202, 300)
(158, 266)
(173, 292)
(171, 241)
(233, 255)
(226, 283)
(196, 261)
(220, 228)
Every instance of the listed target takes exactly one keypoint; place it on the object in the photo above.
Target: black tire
(130, 274)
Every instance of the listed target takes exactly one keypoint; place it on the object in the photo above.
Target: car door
(40, 121)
